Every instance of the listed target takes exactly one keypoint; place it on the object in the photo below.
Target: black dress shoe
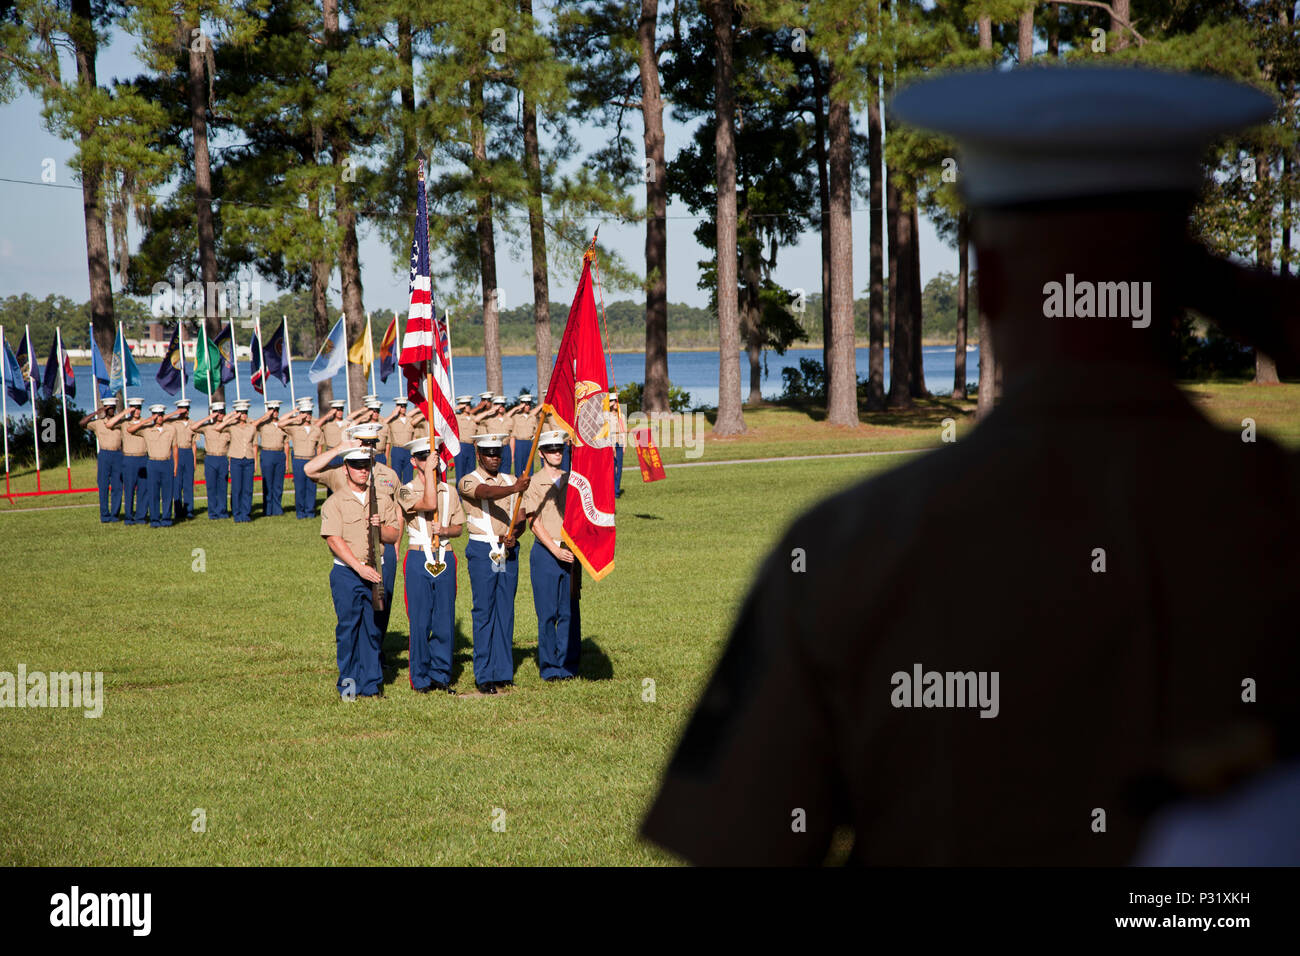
(488, 688)
(439, 686)
(425, 690)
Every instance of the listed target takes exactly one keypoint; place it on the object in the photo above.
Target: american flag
(424, 344)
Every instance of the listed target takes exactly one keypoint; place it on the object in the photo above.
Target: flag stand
(63, 391)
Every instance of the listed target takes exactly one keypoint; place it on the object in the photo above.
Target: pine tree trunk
(988, 362)
(842, 393)
(487, 253)
(963, 282)
(876, 253)
(654, 396)
(900, 294)
(751, 325)
(86, 51)
(198, 96)
(1025, 46)
(918, 336)
(731, 418)
(1119, 14)
(824, 200)
(406, 54)
(1054, 31)
(537, 237)
(1265, 367)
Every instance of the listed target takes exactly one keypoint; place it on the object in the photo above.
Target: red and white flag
(577, 399)
(424, 344)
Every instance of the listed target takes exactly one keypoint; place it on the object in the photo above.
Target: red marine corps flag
(577, 399)
(424, 346)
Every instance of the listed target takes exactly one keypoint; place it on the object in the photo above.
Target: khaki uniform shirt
(159, 441)
(333, 432)
(467, 426)
(495, 425)
(110, 439)
(184, 437)
(499, 510)
(544, 497)
(243, 440)
(385, 440)
(132, 444)
(272, 437)
(411, 493)
(386, 480)
(421, 429)
(401, 430)
(1113, 685)
(524, 426)
(345, 515)
(215, 442)
(306, 440)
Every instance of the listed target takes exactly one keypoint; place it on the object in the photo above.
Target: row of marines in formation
(146, 465)
(343, 453)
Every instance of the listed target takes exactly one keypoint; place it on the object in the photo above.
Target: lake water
(696, 372)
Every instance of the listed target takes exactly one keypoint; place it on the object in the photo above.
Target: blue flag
(276, 356)
(98, 370)
(255, 368)
(15, 383)
(225, 343)
(50, 383)
(171, 371)
(330, 358)
(124, 371)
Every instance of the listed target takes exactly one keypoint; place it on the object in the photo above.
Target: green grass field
(219, 683)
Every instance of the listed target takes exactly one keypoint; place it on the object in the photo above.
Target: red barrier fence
(288, 479)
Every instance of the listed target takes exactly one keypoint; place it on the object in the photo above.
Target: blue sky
(42, 233)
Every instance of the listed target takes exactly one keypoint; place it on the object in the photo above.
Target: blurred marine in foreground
(1021, 648)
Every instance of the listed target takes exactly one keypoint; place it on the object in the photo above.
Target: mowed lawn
(219, 692)
(219, 683)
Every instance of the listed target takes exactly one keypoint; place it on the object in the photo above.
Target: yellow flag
(362, 352)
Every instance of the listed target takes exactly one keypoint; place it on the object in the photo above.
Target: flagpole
(433, 431)
(347, 372)
(180, 344)
(31, 380)
(370, 341)
(397, 344)
(4, 402)
(451, 367)
(288, 355)
(234, 359)
(63, 390)
(261, 347)
(122, 340)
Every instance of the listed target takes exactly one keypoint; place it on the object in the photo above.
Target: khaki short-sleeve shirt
(132, 444)
(333, 432)
(544, 497)
(306, 440)
(499, 510)
(410, 494)
(159, 441)
(524, 426)
(110, 439)
(272, 436)
(401, 430)
(184, 437)
(215, 441)
(346, 515)
(243, 440)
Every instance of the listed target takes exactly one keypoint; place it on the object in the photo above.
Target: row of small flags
(20, 377)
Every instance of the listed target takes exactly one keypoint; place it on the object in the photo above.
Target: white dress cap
(1047, 133)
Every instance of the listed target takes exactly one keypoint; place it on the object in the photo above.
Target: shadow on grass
(931, 410)
(594, 664)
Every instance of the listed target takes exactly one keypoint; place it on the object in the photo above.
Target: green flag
(207, 365)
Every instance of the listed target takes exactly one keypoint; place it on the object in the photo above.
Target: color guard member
(305, 436)
(345, 526)
(556, 575)
(183, 487)
(272, 438)
(430, 597)
(493, 556)
(401, 431)
(160, 465)
(243, 464)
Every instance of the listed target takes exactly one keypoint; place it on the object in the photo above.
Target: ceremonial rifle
(375, 548)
